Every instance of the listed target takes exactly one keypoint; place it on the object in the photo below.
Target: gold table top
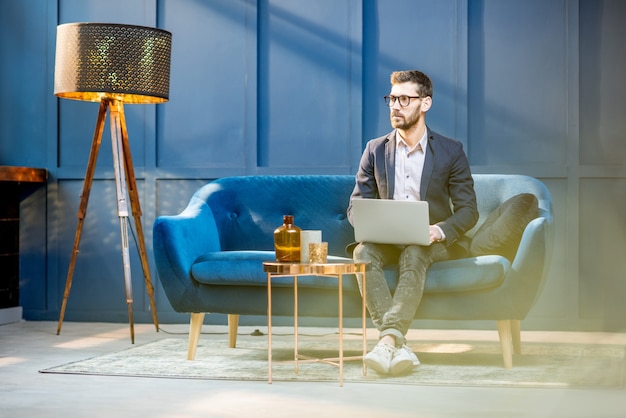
(332, 267)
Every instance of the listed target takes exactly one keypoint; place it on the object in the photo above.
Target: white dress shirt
(409, 166)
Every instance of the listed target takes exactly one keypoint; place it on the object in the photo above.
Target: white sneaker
(379, 359)
(403, 360)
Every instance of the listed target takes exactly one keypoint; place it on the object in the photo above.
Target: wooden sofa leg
(195, 326)
(506, 342)
(516, 336)
(233, 325)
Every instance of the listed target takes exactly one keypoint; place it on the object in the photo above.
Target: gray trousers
(392, 314)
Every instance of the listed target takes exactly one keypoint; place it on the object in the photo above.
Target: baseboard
(10, 315)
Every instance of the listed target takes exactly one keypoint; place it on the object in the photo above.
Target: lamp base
(125, 186)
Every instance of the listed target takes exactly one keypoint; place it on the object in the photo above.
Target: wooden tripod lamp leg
(84, 200)
(136, 210)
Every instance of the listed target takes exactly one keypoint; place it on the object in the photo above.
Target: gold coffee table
(329, 269)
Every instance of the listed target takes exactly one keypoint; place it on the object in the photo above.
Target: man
(410, 163)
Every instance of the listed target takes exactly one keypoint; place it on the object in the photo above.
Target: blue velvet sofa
(209, 257)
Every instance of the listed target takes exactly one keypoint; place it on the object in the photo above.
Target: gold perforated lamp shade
(96, 61)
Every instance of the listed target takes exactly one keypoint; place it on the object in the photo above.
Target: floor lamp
(113, 64)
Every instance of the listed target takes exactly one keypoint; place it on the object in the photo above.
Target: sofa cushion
(502, 230)
(461, 275)
(244, 268)
(235, 268)
(466, 274)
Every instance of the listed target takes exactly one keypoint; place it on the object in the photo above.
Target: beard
(405, 122)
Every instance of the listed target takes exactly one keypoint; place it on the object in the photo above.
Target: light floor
(27, 347)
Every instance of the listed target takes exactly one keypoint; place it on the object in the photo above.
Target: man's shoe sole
(401, 367)
(377, 367)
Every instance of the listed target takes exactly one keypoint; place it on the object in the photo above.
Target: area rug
(458, 363)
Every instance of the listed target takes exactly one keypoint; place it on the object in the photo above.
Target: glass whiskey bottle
(287, 241)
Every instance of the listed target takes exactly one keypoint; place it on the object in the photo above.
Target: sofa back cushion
(247, 209)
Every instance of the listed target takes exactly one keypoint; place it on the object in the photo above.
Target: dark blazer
(446, 184)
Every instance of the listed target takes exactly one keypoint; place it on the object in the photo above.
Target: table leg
(295, 323)
(269, 328)
(364, 318)
(340, 278)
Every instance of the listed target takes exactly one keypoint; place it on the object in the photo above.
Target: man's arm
(367, 182)
(462, 197)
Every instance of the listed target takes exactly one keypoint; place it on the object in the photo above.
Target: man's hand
(436, 235)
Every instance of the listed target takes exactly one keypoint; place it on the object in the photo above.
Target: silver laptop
(386, 221)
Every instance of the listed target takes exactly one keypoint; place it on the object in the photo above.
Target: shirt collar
(423, 142)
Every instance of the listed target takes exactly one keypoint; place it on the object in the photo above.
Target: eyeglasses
(403, 100)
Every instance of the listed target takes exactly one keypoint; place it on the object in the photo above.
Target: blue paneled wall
(295, 86)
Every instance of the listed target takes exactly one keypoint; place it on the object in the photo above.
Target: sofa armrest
(529, 268)
(533, 248)
(178, 240)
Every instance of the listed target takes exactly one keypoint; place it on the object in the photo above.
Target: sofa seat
(244, 268)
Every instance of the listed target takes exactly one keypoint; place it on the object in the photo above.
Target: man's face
(405, 117)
